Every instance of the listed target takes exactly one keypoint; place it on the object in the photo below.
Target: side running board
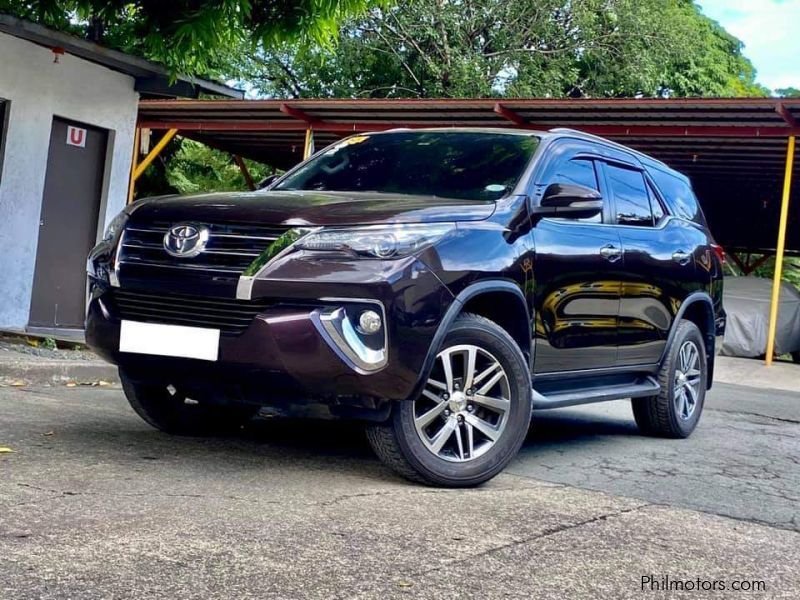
(641, 386)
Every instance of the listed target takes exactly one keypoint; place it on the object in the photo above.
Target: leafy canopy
(196, 37)
(546, 48)
(789, 92)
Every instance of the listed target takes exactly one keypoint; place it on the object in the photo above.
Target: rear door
(576, 269)
(658, 265)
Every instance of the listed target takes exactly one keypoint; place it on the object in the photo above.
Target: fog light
(369, 322)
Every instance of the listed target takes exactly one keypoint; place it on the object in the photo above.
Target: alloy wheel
(464, 407)
(687, 380)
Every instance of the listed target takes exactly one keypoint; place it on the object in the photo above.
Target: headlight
(381, 241)
(116, 225)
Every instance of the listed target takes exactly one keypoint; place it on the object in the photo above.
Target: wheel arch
(699, 309)
(499, 300)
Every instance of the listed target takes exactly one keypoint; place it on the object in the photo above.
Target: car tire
(486, 424)
(675, 411)
(166, 409)
(796, 356)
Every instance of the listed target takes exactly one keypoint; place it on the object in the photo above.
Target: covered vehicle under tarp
(746, 301)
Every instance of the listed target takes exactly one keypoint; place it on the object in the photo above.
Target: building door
(68, 224)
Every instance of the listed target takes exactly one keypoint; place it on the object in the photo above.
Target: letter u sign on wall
(76, 137)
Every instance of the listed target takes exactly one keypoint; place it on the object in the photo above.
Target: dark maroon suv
(440, 285)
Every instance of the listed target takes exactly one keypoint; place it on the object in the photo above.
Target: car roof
(492, 130)
(560, 132)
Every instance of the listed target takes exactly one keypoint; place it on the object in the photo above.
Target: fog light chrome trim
(344, 336)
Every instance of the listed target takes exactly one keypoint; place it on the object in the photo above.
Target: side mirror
(570, 200)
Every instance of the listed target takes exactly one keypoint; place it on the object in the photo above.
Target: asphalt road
(94, 504)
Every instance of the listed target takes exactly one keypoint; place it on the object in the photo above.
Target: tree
(547, 48)
(197, 168)
(195, 37)
(789, 92)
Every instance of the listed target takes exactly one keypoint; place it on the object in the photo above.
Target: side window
(655, 205)
(630, 196)
(679, 196)
(579, 171)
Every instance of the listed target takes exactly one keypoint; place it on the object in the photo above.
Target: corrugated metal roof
(733, 149)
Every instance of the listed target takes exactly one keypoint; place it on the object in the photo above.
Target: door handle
(611, 253)
(681, 257)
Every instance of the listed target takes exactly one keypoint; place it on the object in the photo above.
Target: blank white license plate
(169, 340)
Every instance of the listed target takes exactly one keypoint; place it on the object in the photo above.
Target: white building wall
(37, 89)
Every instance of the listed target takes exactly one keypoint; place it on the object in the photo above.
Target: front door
(68, 224)
(577, 265)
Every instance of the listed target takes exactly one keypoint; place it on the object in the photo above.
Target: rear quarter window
(679, 196)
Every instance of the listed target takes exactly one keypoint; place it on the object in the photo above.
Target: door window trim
(5, 112)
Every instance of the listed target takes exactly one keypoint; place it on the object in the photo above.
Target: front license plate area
(169, 340)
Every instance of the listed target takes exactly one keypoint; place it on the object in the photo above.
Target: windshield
(464, 165)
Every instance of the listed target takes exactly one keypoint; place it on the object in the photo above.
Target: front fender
(454, 310)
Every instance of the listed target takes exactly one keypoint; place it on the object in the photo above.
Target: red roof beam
(299, 114)
(786, 115)
(509, 114)
(358, 127)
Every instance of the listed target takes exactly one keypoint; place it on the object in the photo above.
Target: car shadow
(566, 427)
(289, 444)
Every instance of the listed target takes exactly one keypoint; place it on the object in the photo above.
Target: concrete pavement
(742, 461)
(94, 504)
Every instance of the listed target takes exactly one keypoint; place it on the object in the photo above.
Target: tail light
(720, 252)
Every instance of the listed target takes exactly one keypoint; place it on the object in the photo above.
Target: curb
(55, 372)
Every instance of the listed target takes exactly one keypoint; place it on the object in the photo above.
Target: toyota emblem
(185, 240)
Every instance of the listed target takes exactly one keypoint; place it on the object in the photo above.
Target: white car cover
(746, 302)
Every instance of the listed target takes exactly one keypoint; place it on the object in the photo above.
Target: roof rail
(591, 136)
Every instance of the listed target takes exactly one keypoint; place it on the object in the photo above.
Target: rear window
(679, 196)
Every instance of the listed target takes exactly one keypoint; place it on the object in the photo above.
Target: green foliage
(195, 37)
(790, 92)
(790, 271)
(197, 168)
(547, 48)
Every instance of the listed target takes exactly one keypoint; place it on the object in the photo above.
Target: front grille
(230, 316)
(230, 249)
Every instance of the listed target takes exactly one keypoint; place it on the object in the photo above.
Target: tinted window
(679, 196)
(630, 196)
(581, 172)
(473, 166)
(577, 171)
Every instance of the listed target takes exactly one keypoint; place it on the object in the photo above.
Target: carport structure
(738, 152)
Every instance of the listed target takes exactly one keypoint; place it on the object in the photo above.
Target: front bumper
(291, 353)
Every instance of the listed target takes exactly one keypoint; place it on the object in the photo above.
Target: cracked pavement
(95, 504)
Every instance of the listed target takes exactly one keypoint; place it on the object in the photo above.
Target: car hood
(304, 208)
